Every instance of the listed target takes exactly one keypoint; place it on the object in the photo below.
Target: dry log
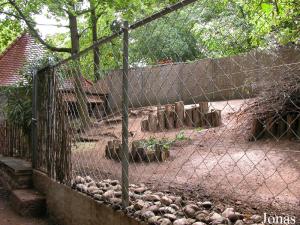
(170, 114)
(179, 112)
(161, 125)
(152, 122)
(144, 126)
(189, 117)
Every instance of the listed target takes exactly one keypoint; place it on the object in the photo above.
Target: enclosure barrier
(173, 123)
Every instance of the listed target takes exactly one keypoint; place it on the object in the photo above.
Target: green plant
(181, 136)
(199, 129)
(152, 142)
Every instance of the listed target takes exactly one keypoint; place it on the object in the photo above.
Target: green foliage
(18, 108)
(10, 29)
(152, 142)
(181, 136)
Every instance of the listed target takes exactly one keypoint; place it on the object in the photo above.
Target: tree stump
(170, 114)
(144, 126)
(214, 118)
(161, 118)
(196, 117)
(257, 130)
(189, 117)
(203, 109)
(152, 122)
(179, 112)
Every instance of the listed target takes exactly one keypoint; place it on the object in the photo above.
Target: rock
(154, 220)
(234, 216)
(117, 187)
(216, 218)
(164, 221)
(176, 207)
(171, 217)
(167, 210)
(140, 204)
(203, 217)
(152, 198)
(98, 197)
(118, 194)
(206, 204)
(239, 222)
(109, 194)
(97, 192)
(88, 179)
(115, 201)
(227, 212)
(182, 221)
(92, 189)
(114, 182)
(190, 220)
(178, 200)
(256, 218)
(91, 184)
(166, 201)
(79, 180)
(139, 190)
(199, 223)
(148, 214)
(137, 213)
(82, 188)
(189, 211)
(153, 208)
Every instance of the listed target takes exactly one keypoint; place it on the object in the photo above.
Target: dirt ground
(218, 163)
(9, 217)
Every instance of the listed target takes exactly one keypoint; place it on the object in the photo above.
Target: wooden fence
(13, 142)
(53, 148)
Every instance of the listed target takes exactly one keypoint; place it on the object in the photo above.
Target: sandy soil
(9, 217)
(220, 163)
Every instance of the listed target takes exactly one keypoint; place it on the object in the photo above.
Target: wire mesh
(211, 127)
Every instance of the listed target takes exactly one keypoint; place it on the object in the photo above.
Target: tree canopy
(204, 29)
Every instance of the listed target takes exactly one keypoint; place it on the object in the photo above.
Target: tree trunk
(189, 117)
(96, 50)
(170, 114)
(79, 91)
(152, 122)
(161, 119)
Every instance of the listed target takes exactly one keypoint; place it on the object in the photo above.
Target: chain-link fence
(207, 126)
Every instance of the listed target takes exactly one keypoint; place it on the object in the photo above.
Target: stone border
(69, 207)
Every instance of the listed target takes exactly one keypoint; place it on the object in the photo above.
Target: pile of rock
(139, 152)
(176, 116)
(157, 208)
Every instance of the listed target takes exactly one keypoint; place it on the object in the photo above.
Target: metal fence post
(34, 119)
(125, 150)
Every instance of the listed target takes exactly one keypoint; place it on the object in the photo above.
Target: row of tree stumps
(173, 116)
(276, 126)
(139, 152)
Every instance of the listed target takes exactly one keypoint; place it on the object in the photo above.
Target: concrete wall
(68, 207)
(209, 79)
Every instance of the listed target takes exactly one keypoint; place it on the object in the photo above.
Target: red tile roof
(13, 59)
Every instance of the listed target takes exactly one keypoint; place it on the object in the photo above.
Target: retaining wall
(68, 207)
